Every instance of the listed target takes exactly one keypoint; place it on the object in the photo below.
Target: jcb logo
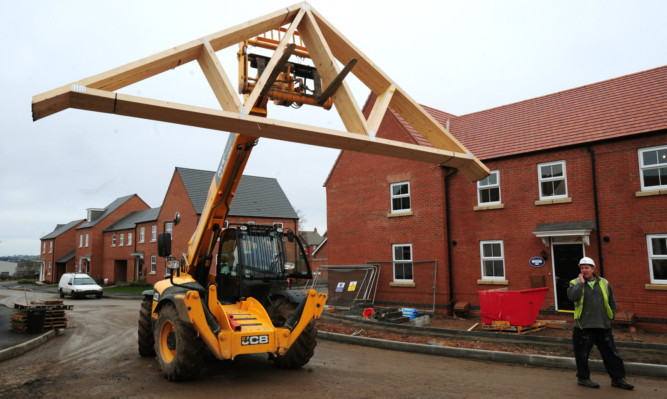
(255, 340)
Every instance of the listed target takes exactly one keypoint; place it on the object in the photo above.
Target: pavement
(14, 344)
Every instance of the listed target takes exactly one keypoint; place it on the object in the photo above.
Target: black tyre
(304, 347)
(179, 350)
(145, 331)
(62, 295)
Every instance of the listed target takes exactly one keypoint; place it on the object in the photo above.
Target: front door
(566, 259)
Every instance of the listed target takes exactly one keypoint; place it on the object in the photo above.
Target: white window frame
(662, 163)
(86, 241)
(278, 225)
(169, 227)
(113, 240)
(129, 239)
(80, 240)
(153, 263)
(121, 240)
(43, 247)
(392, 197)
(142, 234)
(50, 248)
(153, 233)
(49, 268)
(551, 179)
(395, 261)
(484, 258)
(652, 256)
(485, 185)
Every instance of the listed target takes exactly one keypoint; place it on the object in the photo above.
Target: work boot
(589, 384)
(621, 383)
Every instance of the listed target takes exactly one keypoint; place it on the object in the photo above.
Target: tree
(28, 268)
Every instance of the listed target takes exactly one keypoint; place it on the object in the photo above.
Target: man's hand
(581, 278)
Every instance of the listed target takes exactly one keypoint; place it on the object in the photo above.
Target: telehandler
(230, 293)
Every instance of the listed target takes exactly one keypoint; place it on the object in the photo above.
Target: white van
(78, 285)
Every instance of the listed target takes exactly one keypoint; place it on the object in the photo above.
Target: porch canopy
(581, 230)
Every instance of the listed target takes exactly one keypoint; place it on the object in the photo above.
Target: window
(49, 268)
(553, 180)
(80, 240)
(400, 197)
(277, 225)
(121, 241)
(129, 239)
(653, 168)
(50, 247)
(113, 240)
(86, 240)
(493, 262)
(153, 233)
(153, 263)
(402, 257)
(169, 227)
(657, 257)
(488, 189)
(43, 247)
(142, 234)
(251, 222)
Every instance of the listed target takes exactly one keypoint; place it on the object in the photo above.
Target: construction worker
(594, 308)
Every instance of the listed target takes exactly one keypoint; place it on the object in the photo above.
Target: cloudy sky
(456, 56)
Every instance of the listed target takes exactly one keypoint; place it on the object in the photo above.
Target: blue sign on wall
(536, 261)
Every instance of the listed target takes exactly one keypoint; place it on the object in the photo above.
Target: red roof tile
(624, 106)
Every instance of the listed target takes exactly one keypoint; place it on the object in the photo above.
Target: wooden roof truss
(326, 46)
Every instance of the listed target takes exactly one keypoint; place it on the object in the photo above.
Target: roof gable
(255, 196)
(60, 229)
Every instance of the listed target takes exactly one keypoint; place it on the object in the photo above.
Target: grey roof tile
(61, 228)
(255, 196)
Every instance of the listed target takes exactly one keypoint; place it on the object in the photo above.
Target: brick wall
(359, 229)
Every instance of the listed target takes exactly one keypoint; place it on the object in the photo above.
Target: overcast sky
(457, 56)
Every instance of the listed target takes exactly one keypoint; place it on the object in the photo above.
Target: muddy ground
(621, 334)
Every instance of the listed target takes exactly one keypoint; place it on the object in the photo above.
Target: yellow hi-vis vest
(579, 305)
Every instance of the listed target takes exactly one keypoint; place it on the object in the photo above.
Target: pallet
(504, 326)
(54, 315)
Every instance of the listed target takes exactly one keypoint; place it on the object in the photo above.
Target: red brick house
(316, 249)
(126, 247)
(579, 172)
(258, 200)
(89, 240)
(57, 251)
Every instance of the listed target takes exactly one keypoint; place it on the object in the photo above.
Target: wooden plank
(326, 65)
(379, 109)
(261, 82)
(344, 50)
(50, 102)
(123, 104)
(217, 78)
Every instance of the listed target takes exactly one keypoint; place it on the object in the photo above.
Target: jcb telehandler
(229, 293)
(244, 305)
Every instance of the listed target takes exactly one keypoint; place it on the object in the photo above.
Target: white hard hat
(586, 261)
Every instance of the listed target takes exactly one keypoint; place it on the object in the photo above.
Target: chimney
(316, 229)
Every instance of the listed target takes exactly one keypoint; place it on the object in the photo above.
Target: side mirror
(290, 236)
(177, 218)
(164, 244)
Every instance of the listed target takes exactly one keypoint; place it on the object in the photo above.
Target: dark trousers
(583, 340)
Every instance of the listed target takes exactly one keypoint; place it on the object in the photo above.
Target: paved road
(97, 357)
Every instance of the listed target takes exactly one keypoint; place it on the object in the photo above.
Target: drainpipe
(597, 208)
(451, 172)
